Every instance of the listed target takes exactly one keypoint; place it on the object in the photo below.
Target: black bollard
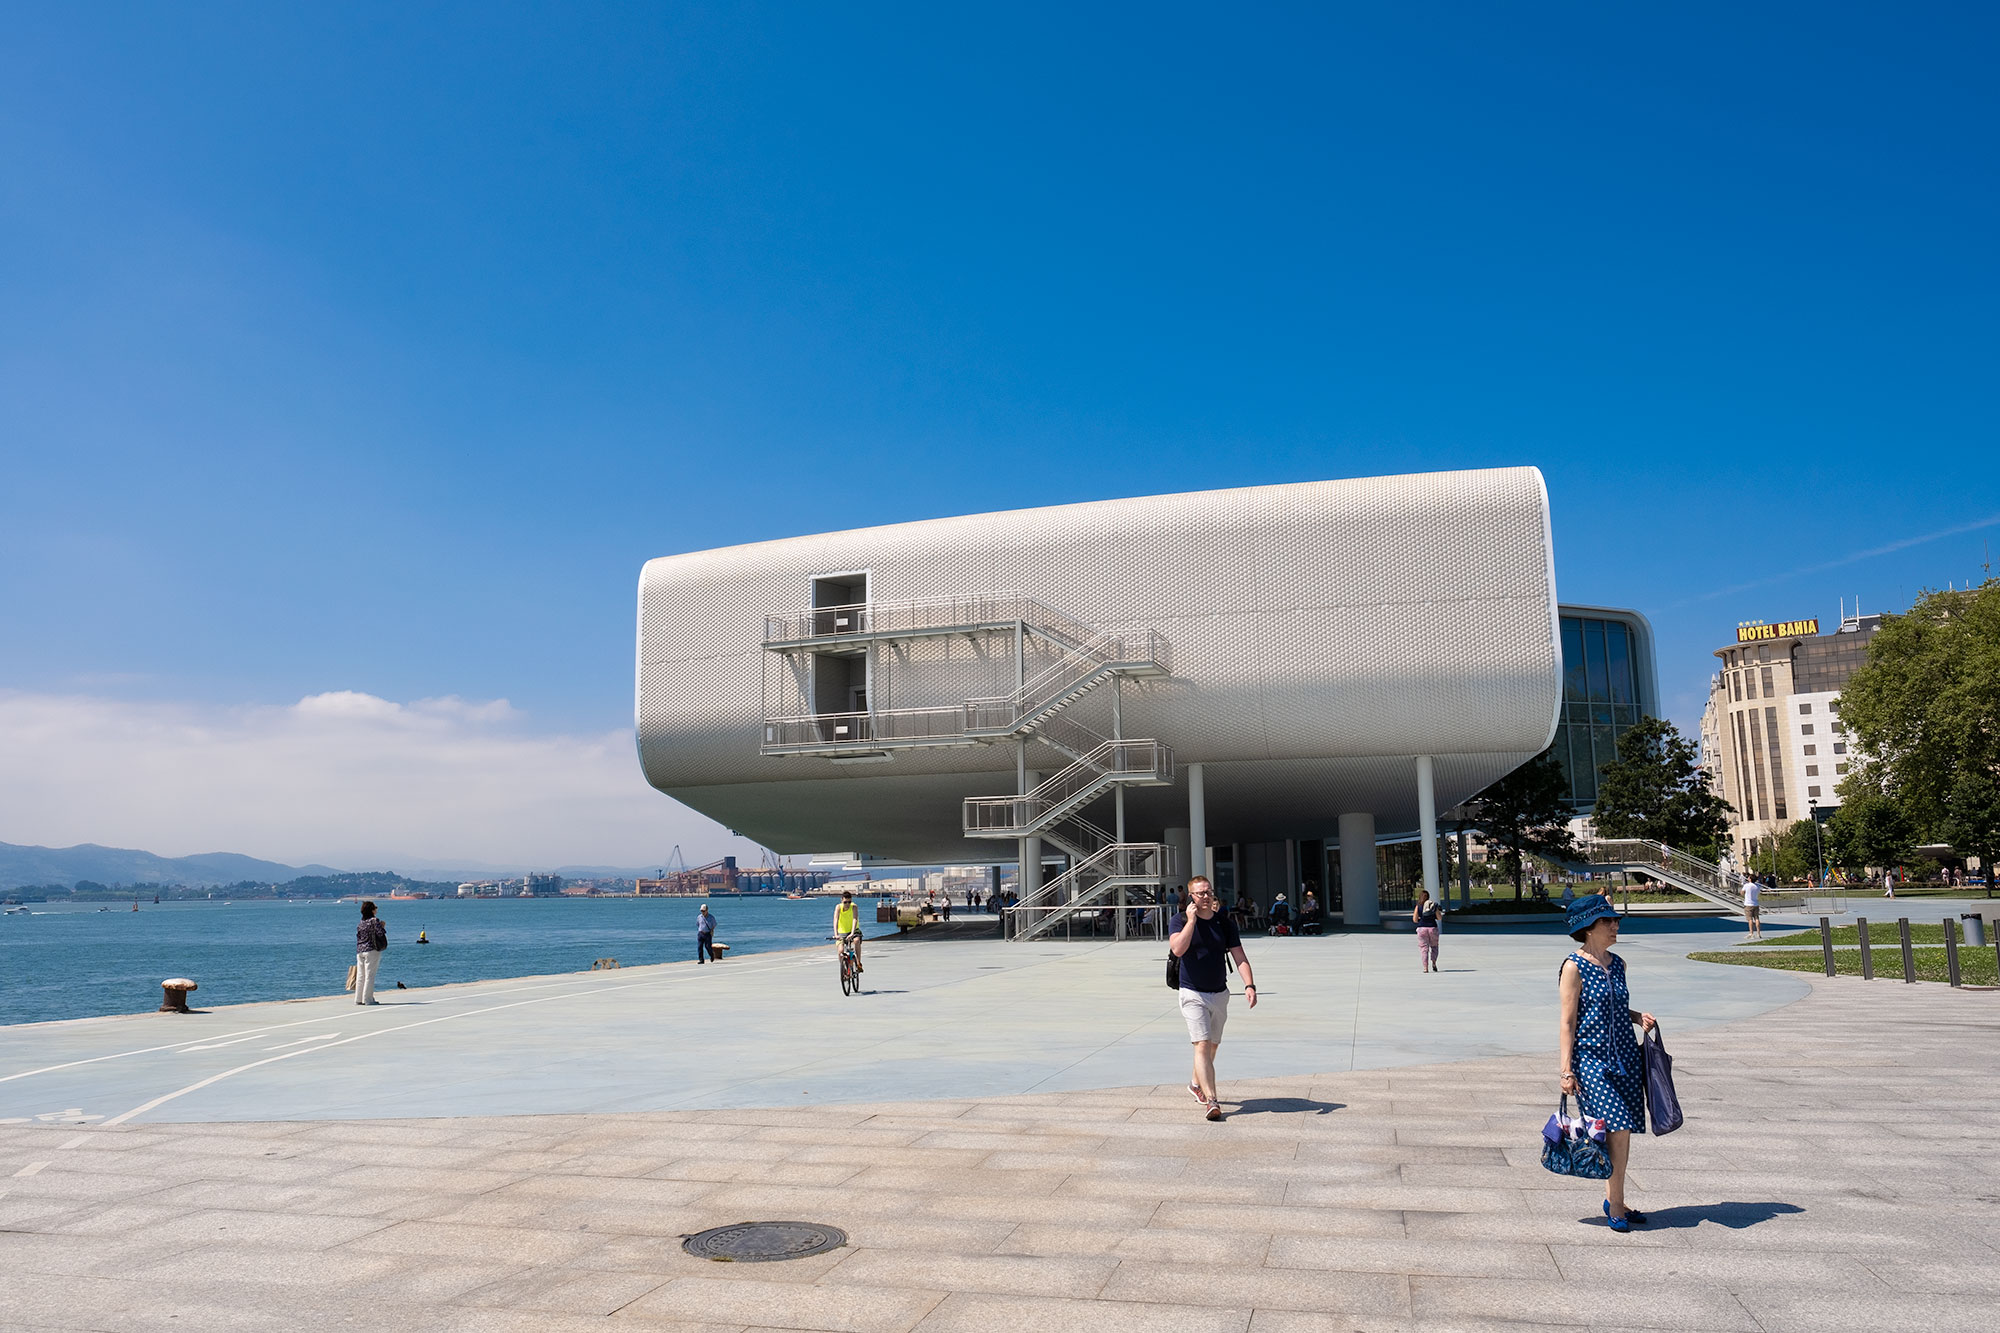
(1867, 958)
(1909, 958)
(1826, 943)
(1951, 950)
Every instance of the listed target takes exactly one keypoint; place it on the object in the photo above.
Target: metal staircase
(1682, 870)
(1084, 657)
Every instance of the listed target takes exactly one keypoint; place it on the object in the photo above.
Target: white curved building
(1123, 680)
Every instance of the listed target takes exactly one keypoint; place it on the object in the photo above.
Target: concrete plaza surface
(1836, 1172)
(956, 1019)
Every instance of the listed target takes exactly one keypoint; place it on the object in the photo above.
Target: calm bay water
(76, 961)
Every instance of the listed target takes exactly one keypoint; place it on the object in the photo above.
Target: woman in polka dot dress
(1601, 1065)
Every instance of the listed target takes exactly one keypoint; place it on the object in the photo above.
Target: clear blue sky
(375, 347)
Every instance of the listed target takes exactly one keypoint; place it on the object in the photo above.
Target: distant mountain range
(21, 866)
(122, 865)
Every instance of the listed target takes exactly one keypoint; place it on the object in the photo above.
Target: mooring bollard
(1909, 957)
(1826, 943)
(175, 998)
(1951, 950)
(1867, 958)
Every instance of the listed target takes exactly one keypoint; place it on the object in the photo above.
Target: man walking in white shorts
(1201, 938)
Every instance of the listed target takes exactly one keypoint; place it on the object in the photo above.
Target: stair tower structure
(838, 654)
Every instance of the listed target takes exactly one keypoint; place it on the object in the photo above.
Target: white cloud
(344, 778)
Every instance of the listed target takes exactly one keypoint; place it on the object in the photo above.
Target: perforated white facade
(1319, 638)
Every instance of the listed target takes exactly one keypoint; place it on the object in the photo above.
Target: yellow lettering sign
(1784, 629)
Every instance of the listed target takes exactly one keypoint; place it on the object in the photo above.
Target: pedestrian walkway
(1835, 1173)
(979, 1018)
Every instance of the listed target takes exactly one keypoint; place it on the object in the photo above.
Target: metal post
(1951, 950)
(1826, 943)
(1867, 958)
(1909, 957)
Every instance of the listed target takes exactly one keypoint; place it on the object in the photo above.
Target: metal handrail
(1076, 889)
(1077, 836)
(1690, 871)
(1112, 762)
(923, 614)
(1069, 675)
(834, 730)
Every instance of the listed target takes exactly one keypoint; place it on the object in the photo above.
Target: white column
(1427, 828)
(1181, 850)
(1360, 898)
(1198, 824)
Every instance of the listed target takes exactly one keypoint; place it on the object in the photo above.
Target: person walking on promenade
(1427, 918)
(1201, 937)
(704, 936)
(1889, 882)
(1601, 1066)
(1753, 911)
(371, 941)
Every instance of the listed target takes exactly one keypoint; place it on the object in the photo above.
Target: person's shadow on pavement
(1735, 1216)
(1287, 1106)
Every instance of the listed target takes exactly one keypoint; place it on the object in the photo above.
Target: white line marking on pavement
(31, 1169)
(583, 991)
(76, 1142)
(218, 1045)
(318, 1036)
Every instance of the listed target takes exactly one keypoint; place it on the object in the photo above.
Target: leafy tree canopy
(1869, 830)
(1925, 712)
(1656, 789)
(1524, 814)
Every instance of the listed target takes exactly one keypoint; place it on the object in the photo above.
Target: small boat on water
(18, 911)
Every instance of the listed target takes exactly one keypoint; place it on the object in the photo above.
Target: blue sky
(372, 349)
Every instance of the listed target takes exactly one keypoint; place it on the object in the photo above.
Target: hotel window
(1839, 730)
(1768, 691)
(1812, 791)
(1750, 684)
(1804, 709)
(1812, 749)
(1812, 770)
(1772, 742)
(1736, 685)
(1834, 707)
(1840, 747)
(1805, 728)
(1838, 769)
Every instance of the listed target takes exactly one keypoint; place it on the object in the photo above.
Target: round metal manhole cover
(764, 1242)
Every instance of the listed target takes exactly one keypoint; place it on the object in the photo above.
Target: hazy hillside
(123, 865)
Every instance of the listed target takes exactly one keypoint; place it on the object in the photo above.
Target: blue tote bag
(1574, 1146)
(1663, 1108)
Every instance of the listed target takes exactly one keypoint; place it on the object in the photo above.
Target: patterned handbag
(1573, 1145)
(1663, 1105)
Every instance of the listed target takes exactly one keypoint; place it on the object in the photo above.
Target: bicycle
(850, 975)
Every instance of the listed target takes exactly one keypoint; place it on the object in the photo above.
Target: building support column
(1197, 826)
(1427, 828)
(1360, 898)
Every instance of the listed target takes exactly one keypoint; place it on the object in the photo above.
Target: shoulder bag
(1663, 1107)
(1574, 1146)
(1173, 970)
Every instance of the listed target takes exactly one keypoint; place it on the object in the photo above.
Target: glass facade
(1601, 699)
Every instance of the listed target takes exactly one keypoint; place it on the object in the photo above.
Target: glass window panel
(1586, 768)
(1573, 678)
(1593, 656)
(1565, 751)
(1606, 746)
(1621, 662)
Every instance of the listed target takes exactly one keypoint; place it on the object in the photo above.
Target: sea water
(79, 960)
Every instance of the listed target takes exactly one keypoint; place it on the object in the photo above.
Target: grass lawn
(1976, 967)
(1881, 934)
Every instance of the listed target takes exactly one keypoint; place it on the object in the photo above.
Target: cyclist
(847, 928)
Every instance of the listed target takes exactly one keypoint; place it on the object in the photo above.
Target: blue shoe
(1633, 1218)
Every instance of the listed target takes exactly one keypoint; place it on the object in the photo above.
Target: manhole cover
(763, 1242)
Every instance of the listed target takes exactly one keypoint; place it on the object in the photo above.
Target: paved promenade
(1837, 1172)
(940, 1019)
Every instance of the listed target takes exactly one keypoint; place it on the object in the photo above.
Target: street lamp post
(1819, 853)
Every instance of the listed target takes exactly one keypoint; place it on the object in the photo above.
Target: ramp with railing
(1681, 870)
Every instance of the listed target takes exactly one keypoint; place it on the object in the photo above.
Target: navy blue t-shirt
(1201, 965)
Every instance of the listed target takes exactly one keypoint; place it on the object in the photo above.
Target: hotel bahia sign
(1784, 629)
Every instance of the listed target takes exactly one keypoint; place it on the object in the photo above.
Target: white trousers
(364, 975)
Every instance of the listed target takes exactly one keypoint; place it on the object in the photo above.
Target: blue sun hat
(1590, 908)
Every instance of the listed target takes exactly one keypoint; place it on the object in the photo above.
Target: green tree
(1524, 814)
(1869, 830)
(1971, 822)
(1924, 710)
(1656, 789)
(1798, 854)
